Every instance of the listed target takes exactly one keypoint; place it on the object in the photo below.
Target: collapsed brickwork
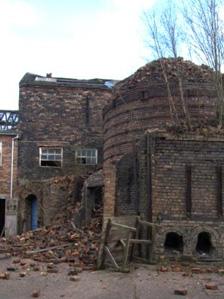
(172, 179)
(60, 137)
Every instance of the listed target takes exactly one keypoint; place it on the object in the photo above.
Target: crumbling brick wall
(177, 179)
(140, 102)
(62, 113)
(54, 195)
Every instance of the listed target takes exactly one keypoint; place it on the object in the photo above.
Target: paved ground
(141, 283)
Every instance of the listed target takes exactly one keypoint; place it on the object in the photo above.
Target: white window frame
(0, 153)
(86, 156)
(46, 153)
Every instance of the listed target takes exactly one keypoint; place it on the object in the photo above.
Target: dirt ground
(143, 282)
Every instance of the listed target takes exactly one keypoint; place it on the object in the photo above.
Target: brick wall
(10, 212)
(64, 115)
(160, 194)
(5, 168)
(57, 116)
(170, 158)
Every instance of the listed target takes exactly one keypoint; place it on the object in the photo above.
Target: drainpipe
(12, 168)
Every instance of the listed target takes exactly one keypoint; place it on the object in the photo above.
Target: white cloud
(17, 13)
(107, 43)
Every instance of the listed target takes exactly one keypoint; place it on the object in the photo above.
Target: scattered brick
(35, 294)
(74, 278)
(182, 292)
(4, 275)
(211, 286)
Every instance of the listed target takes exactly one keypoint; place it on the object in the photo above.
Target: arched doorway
(204, 244)
(31, 212)
(173, 242)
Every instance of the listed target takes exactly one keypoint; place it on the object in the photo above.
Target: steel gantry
(8, 120)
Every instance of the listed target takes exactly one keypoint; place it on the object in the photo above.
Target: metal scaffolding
(8, 120)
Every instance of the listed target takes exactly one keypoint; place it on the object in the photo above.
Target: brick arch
(165, 231)
(215, 237)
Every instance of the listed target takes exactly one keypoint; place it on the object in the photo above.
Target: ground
(143, 281)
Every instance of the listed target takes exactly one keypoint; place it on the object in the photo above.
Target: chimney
(49, 75)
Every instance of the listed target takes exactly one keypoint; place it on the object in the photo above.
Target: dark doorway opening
(32, 212)
(2, 217)
(95, 200)
(173, 242)
(204, 244)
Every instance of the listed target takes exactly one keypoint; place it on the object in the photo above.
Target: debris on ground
(61, 242)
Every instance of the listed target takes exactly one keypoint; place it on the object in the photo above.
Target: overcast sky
(69, 38)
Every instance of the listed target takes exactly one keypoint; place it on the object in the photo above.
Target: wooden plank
(146, 223)
(49, 248)
(136, 241)
(150, 259)
(101, 257)
(126, 251)
(148, 237)
(135, 235)
(123, 226)
(122, 242)
(111, 257)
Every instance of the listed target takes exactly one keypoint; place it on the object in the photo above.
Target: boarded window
(51, 156)
(86, 156)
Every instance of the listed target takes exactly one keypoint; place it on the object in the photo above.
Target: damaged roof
(151, 74)
(37, 80)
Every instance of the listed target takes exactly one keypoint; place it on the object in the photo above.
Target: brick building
(166, 172)
(60, 141)
(8, 172)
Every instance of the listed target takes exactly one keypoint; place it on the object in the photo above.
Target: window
(0, 153)
(86, 156)
(51, 156)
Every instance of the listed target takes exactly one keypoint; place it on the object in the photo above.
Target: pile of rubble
(61, 242)
(174, 68)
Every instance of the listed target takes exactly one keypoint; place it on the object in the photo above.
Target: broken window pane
(86, 156)
(51, 157)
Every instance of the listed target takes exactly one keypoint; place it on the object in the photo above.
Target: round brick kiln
(166, 169)
(141, 102)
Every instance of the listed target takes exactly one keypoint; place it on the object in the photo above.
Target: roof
(37, 80)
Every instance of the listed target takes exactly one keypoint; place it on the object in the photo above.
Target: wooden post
(102, 254)
(126, 251)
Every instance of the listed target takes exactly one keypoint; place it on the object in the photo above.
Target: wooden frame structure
(132, 245)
